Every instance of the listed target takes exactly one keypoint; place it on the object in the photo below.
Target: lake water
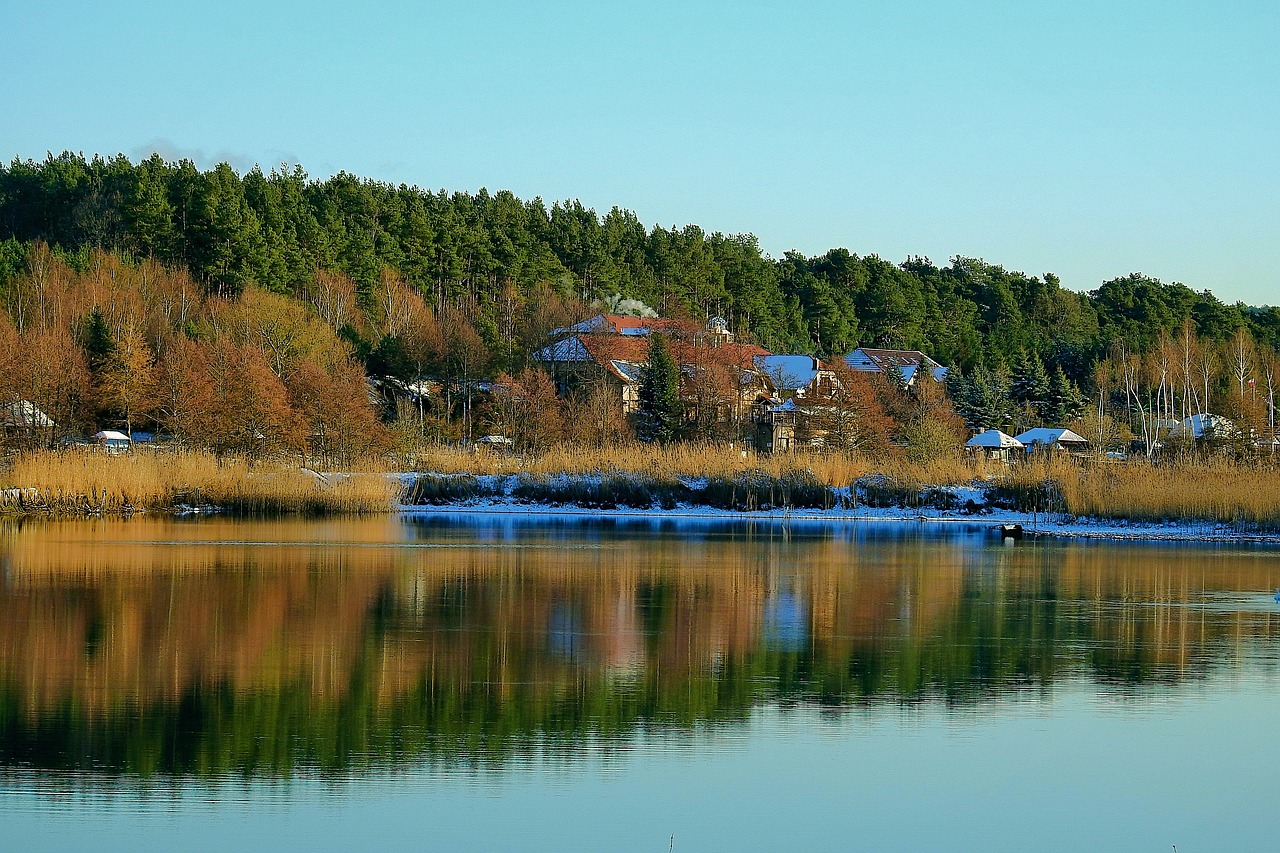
(562, 684)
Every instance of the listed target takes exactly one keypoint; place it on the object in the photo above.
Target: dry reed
(698, 461)
(79, 482)
(1137, 490)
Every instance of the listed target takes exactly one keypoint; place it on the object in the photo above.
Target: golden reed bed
(75, 482)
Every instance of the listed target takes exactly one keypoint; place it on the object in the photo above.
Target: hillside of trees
(161, 261)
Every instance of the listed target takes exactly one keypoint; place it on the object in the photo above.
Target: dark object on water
(1011, 531)
(1278, 596)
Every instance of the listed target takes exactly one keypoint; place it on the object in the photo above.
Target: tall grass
(78, 482)
(643, 476)
(698, 461)
(1213, 490)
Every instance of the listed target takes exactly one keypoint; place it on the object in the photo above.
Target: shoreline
(1033, 527)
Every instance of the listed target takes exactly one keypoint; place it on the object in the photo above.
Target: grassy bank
(645, 477)
(80, 483)
(700, 462)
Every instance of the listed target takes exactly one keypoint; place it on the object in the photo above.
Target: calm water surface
(499, 683)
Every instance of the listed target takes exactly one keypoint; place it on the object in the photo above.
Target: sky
(1087, 139)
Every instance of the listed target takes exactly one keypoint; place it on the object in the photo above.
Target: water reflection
(155, 647)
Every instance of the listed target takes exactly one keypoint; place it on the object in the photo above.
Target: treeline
(481, 253)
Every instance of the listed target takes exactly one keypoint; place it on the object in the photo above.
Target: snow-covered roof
(24, 414)
(875, 360)
(629, 370)
(110, 435)
(994, 438)
(789, 372)
(1207, 424)
(1050, 437)
(567, 350)
(788, 406)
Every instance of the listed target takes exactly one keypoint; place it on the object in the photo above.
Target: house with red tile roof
(720, 380)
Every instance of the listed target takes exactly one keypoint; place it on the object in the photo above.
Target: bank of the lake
(1206, 500)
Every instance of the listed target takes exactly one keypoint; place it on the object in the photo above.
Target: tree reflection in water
(155, 647)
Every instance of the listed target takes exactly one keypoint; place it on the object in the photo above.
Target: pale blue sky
(1091, 139)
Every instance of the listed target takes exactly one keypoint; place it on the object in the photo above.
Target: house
(607, 349)
(907, 362)
(617, 361)
(797, 375)
(24, 414)
(1060, 440)
(994, 444)
(21, 422)
(624, 325)
(1205, 426)
(776, 427)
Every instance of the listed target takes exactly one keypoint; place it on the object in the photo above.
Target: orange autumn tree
(846, 414)
(334, 407)
(223, 395)
(127, 382)
(525, 408)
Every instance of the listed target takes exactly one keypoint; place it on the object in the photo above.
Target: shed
(113, 441)
(1043, 438)
(495, 443)
(994, 444)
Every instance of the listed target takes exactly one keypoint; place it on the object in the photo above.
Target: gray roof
(1207, 424)
(628, 370)
(567, 350)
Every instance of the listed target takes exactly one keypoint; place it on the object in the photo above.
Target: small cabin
(995, 445)
(1040, 440)
(112, 441)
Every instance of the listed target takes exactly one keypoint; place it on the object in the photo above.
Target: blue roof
(788, 371)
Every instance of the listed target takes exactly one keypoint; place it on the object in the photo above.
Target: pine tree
(660, 407)
(895, 376)
(961, 391)
(989, 403)
(1030, 380)
(1065, 402)
(96, 340)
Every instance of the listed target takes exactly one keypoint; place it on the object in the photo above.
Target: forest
(160, 293)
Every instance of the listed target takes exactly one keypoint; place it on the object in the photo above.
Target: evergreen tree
(961, 391)
(1066, 403)
(1031, 381)
(989, 402)
(95, 339)
(660, 409)
(894, 374)
(149, 213)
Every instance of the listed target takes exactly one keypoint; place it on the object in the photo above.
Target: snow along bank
(969, 504)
